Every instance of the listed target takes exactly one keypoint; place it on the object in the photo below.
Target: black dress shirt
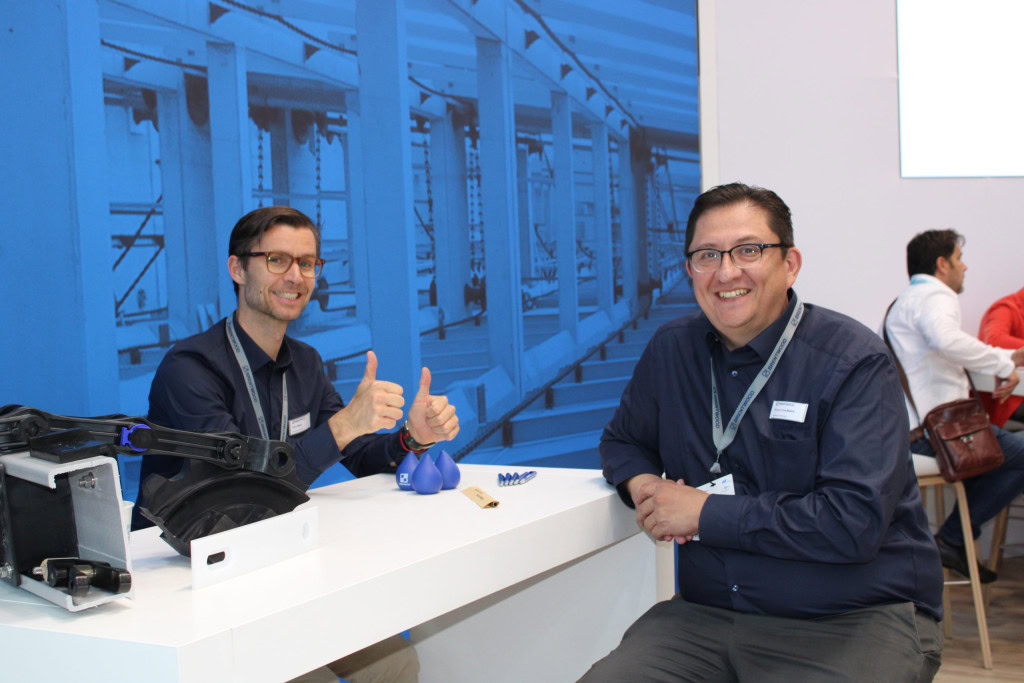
(199, 387)
(827, 515)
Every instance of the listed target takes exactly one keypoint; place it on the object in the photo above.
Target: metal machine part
(229, 479)
(77, 576)
(62, 439)
(56, 510)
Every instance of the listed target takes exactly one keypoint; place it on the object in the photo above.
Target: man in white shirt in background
(926, 334)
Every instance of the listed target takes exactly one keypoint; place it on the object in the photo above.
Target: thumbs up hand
(376, 405)
(431, 418)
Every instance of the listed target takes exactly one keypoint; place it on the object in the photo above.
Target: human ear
(793, 261)
(236, 270)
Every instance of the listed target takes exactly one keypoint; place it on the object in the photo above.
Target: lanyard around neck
(724, 437)
(250, 385)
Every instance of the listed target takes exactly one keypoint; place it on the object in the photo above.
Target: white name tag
(722, 486)
(298, 425)
(788, 410)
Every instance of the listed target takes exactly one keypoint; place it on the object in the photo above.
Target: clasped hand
(667, 510)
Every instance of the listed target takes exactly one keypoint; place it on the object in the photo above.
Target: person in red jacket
(1003, 325)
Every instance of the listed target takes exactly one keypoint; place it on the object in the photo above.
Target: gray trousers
(679, 641)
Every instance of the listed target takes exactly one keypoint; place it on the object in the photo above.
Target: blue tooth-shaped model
(427, 478)
(403, 475)
(450, 474)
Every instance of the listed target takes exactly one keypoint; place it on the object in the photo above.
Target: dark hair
(250, 228)
(779, 218)
(924, 251)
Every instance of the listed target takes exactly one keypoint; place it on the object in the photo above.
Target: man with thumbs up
(204, 381)
(245, 375)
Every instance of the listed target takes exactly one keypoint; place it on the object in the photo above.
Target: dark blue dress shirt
(827, 515)
(199, 387)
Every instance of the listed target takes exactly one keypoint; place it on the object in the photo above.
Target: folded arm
(863, 468)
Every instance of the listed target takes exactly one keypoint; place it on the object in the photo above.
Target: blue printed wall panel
(429, 158)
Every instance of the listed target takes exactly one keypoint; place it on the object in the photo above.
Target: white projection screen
(961, 87)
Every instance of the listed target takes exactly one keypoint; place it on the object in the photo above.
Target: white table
(536, 589)
(984, 382)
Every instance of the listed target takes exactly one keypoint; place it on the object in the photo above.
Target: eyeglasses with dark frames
(743, 256)
(279, 263)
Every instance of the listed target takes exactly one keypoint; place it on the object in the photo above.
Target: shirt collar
(764, 343)
(925, 279)
(256, 356)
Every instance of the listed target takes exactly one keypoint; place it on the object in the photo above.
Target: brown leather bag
(962, 438)
(959, 431)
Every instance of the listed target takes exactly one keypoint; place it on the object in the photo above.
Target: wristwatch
(410, 443)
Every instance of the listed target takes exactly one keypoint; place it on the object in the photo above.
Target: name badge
(298, 425)
(722, 486)
(788, 410)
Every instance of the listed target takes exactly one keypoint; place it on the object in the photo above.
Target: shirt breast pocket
(790, 465)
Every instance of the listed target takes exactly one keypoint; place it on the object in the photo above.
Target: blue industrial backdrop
(500, 186)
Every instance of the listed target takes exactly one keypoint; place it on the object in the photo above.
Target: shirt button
(735, 588)
(734, 373)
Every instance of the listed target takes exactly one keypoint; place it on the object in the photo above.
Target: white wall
(801, 97)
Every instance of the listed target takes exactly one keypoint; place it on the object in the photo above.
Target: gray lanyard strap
(724, 437)
(250, 385)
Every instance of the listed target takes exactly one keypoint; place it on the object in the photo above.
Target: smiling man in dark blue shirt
(245, 375)
(815, 562)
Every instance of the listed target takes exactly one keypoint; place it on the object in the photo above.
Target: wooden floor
(961, 658)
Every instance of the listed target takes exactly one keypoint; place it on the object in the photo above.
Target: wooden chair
(1013, 511)
(927, 472)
